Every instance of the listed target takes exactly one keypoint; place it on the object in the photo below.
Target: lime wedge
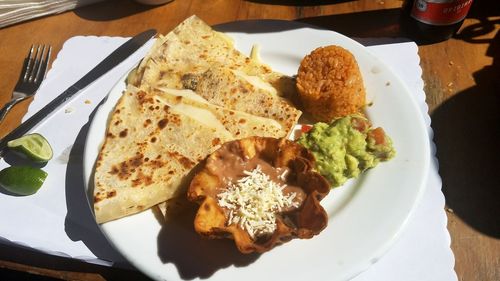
(22, 180)
(35, 146)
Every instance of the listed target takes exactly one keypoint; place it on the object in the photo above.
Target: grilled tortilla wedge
(239, 123)
(193, 47)
(148, 150)
(153, 141)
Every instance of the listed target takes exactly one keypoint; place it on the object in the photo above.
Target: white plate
(366, 215)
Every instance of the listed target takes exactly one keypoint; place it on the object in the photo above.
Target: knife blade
(112, 60)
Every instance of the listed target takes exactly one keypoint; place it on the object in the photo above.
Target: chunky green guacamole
(346, 147)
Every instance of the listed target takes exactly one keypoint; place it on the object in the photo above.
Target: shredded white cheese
(253, 202)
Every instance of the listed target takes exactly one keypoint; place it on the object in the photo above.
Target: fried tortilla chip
(216, 218)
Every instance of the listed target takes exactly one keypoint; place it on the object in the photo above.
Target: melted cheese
(258, 121)
(201, 115)
(254, 201)
(255, 53)
(256, 82)
(225, 37)
(185, 93)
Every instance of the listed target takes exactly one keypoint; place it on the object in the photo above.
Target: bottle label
(440, 12)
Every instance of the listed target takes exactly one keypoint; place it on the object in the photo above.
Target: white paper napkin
(57, 221)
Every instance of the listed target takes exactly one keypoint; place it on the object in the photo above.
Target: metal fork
(34, 69)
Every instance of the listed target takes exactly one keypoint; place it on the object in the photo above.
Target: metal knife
(115, 58)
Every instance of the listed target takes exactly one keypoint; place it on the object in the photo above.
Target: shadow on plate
(193, 255)
(466, 132)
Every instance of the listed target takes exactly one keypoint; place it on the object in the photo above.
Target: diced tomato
(306, 128)
(378, 135)
(360, 124)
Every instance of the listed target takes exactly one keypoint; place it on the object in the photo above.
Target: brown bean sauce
(231, 165)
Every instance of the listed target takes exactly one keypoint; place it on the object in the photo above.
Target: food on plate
(238, 123)
(191, 49)
(22, 180)
(236, 90)
(346, 147)
(173, 208)
(261, 192)
(148, 149)
(330, 84)
(191, 93)
(153, 141)
(34, 146)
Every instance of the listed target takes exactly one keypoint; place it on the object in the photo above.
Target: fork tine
(38, 55)
(44, 61)
(29, 61)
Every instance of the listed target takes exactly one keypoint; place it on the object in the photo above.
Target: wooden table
(461, 83)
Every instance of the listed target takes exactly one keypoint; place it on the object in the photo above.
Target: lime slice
(22, 180)
(35, 146)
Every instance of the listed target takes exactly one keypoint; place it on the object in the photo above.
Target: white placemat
(57, 221)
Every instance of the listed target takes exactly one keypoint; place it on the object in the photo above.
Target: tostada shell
(307, 220)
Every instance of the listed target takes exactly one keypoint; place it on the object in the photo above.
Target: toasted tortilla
(239, 123)
(194, 47)
(190, 94)
(148, 150)
(236, 90)
(153, 141)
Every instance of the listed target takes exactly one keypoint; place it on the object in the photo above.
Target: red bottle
(431, 21)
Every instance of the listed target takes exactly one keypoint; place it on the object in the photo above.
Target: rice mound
(329, 83)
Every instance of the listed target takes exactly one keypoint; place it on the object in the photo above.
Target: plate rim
(422, 124)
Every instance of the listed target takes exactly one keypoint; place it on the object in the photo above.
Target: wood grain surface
(462, 85)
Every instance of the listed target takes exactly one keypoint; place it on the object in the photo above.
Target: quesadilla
(192, 48)
(148, 150)
(154, 139)
(190, 94)
(239, 123)
(236, 90)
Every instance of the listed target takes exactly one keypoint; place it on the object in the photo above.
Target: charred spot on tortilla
(123, 133)
(189, 81)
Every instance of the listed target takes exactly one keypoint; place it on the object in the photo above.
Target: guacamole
(346, 147)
